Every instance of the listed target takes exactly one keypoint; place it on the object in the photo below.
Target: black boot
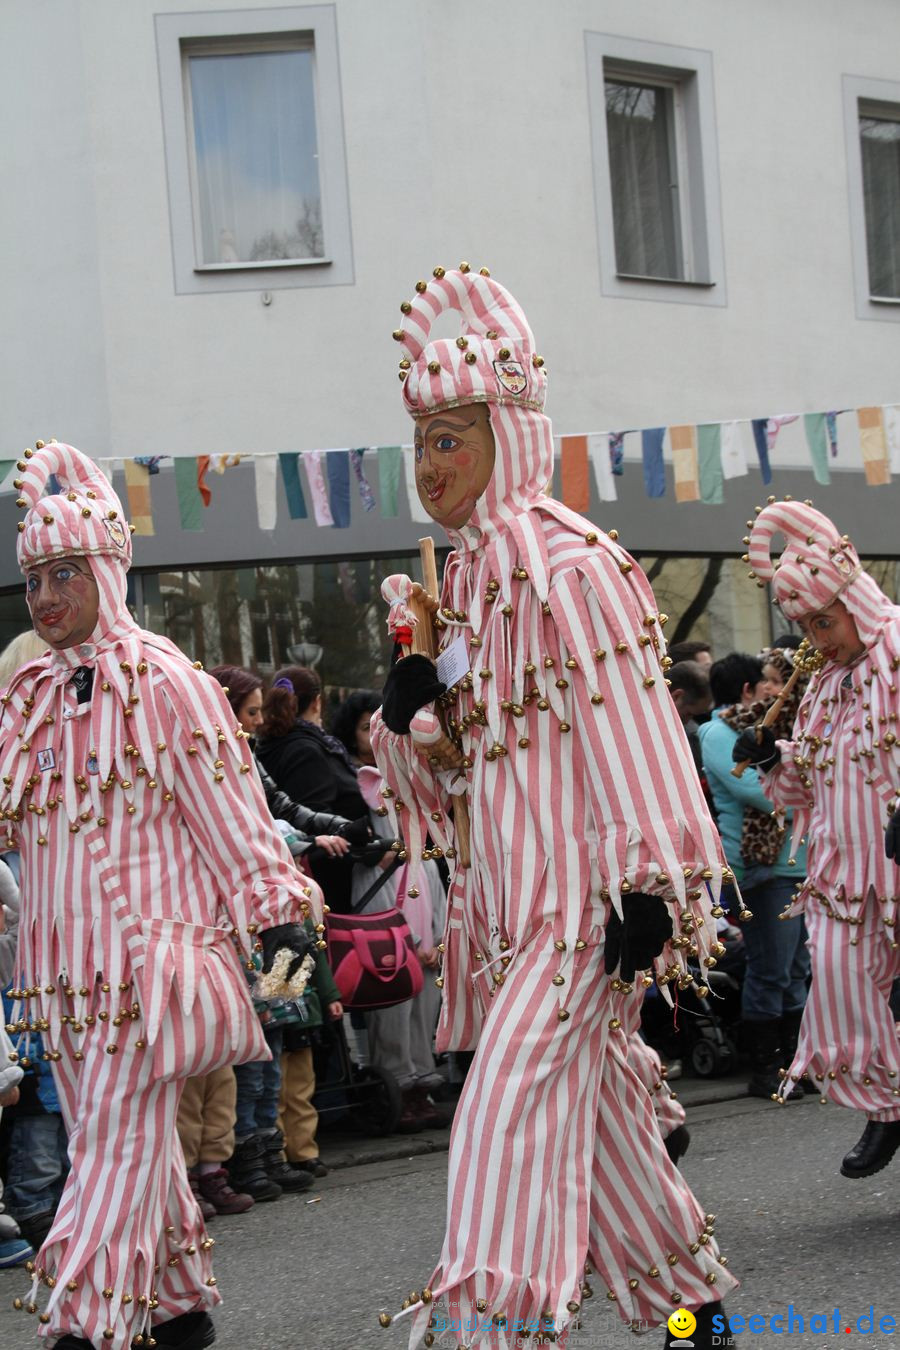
(762, 1040)
(790, 1034)
(677, 1142)
(247, 1170)
(703, 1336)
(188, 1331)
(873, 1150)
(278, 1169)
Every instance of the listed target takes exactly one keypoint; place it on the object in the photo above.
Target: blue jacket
(731, 795)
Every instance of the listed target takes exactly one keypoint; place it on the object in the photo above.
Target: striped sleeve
(219, 796)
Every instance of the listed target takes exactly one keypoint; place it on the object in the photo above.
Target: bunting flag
(337, 466)
(598, 450)
(265, 472)
(831, 428)
(390, 460)
(774, 425)
(892, 431)
(416, 509)
(290, 476)
(873, 445)
(202, 486)
(709, 456)
(312, 462)
(734, 454)
(704, 456)
(652, 456)
(190, 506)
(574, 481)
(617, 452)
(683, 441)
(362, 482)
(814, 424)
(137, 487)
(762, 447)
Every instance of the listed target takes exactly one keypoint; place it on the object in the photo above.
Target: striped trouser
(557, 1163)
(849, 1044)
(127, 1204)
(646, 1065)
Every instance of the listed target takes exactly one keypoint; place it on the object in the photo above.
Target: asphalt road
(315, 1276)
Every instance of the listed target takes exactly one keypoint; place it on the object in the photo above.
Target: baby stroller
(700, 1032)
(360, 1097)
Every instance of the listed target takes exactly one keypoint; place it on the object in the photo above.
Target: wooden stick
(773, 712)
(424, 642)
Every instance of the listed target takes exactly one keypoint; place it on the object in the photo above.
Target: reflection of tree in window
(255, 153)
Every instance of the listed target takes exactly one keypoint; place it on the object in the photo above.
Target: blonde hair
(24, 648)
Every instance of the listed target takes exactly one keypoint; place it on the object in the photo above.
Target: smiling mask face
(64, 601)
(455, 453)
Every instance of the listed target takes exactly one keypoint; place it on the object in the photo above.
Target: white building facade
(212, 214)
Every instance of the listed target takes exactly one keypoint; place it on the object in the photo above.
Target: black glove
(291, 935)
(892, 837)
(635, 944)
(410, 684)
(762, 753)
(356, 832)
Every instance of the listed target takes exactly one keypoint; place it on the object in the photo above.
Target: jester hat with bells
(816, 567)
(493, 361)
(132, 667)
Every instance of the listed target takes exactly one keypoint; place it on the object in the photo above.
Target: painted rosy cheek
(464, 459)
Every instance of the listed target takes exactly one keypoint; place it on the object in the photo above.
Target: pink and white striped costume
(841, 777)
(146, 792)
(581, 788)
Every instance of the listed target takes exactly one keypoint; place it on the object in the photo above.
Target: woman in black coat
(311, 767)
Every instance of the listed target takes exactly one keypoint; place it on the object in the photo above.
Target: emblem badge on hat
(116, 531)
(511, 375)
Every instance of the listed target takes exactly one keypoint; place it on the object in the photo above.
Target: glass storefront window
(328, 615)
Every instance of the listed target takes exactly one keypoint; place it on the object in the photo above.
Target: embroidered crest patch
(511, 375)
(116, 531)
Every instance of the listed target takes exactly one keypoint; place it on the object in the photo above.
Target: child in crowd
(38, 1158)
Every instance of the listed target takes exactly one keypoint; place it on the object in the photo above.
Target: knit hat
(816, 567)
(84, 518)
(493, 361)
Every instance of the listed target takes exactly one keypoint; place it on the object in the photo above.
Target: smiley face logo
(682, 1323)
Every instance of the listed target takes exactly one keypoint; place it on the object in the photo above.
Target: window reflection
(256, 163)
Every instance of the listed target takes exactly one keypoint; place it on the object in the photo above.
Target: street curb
(690, 1092)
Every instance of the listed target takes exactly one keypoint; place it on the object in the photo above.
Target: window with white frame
(872, 129)
(879, 146)
(254, 149)
(655, 170)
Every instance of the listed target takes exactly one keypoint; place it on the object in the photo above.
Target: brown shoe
(216, 1188)
(206, 1209)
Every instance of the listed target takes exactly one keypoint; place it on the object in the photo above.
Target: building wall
(467, 135)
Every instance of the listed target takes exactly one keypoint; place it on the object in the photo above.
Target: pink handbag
(372, 956)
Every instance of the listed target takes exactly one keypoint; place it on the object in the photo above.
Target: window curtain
(880, 146)
(642, 175)
(256, 157)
